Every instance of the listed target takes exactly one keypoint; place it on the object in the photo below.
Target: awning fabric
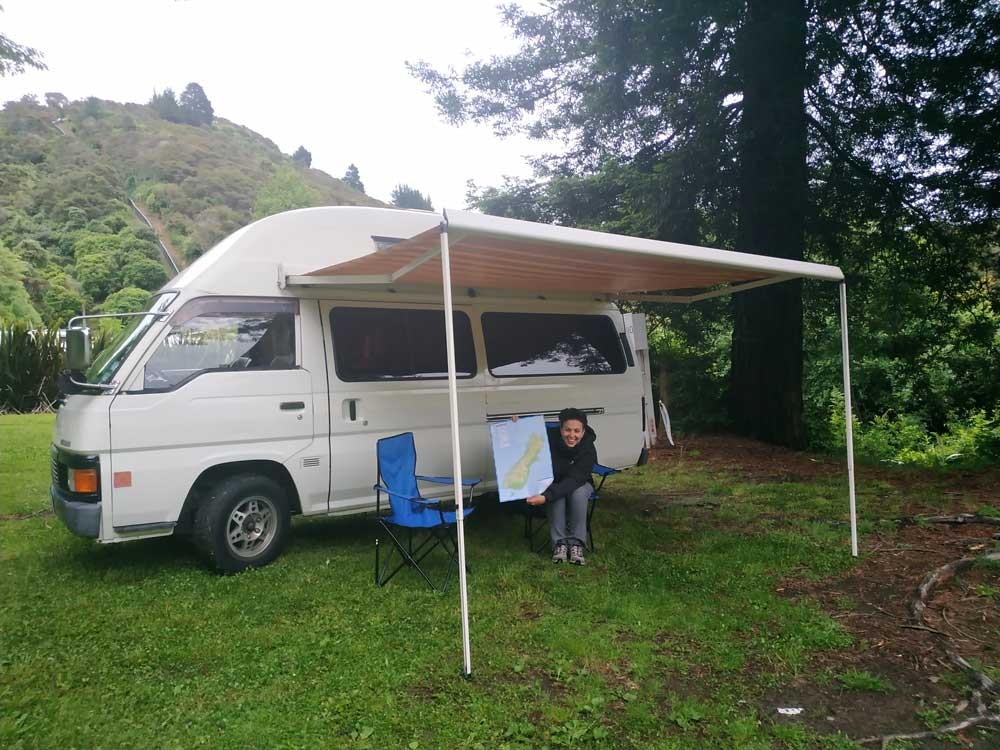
(499, 253)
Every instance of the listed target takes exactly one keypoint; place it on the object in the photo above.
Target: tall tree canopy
(404, 196)
(166, 106)
(821, 129)
(195, 105)
(353, 178)
(302, 157)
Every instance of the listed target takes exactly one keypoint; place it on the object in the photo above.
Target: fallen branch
(924, 627)
(953, 626)
(958, 726)
(955, 520)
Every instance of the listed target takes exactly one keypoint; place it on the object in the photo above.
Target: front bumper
(83, 519)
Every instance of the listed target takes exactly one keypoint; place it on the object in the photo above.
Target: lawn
(679, 633)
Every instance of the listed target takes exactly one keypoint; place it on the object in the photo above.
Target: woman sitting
(573, 457)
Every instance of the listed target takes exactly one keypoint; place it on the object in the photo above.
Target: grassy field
(667, 639)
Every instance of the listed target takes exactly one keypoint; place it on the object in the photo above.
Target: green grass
(24, 455)
(665, 640)
(863, 682)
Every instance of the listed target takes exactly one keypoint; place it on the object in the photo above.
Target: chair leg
(412, 555)
(591, 544)
(382, 577)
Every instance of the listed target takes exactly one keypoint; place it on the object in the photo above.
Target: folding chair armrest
(430, 500)
(604, 471)
(449, 480)
(382, 488)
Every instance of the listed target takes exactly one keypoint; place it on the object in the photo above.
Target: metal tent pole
(456, 454)
(848, 411)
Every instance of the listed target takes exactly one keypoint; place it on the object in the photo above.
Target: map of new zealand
(521, 456)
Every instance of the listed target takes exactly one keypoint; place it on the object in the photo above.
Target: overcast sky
(326, 75)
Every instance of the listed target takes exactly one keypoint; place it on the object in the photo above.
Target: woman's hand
(536, 500)
(513, 418)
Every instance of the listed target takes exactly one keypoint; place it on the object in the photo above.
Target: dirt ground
(872, 601)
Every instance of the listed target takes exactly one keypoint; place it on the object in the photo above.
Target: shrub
(904, 439)
(127, 300)
(30, 361)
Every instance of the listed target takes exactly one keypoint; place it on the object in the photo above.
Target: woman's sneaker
(559, 553)
(576, 555)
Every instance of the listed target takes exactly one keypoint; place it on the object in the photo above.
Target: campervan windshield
(110, 360)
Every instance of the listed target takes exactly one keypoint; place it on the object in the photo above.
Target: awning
(489, 252)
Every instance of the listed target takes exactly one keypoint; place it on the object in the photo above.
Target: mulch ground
(872, 600)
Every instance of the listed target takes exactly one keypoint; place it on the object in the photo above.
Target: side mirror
(78, 357)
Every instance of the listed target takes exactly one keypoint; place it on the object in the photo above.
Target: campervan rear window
(371, 343)
(533, 344)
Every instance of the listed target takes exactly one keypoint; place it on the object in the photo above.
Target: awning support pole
(456, 454)
(848, 413)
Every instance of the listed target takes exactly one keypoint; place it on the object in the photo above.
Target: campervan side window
(373, 343)
(223, 334)
(534, 344)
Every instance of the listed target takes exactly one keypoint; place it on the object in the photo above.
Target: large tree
(723, 122)
(166, 106)
(302, 157)
(352, 177)
(195, 105)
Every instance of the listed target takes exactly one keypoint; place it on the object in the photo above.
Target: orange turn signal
(83, 480)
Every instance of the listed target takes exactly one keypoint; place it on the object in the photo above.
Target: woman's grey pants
(568, 516)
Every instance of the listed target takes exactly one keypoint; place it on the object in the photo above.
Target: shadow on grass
(128, 562)
(494, 532)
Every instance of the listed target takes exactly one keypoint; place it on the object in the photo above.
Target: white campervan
(240, 398)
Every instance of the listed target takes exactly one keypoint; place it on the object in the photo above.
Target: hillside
(69, 238)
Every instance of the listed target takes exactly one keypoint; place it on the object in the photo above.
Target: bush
(30, 362)
(142, 272)
(904, 439)
(127, 300)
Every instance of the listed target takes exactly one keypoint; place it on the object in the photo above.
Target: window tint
(392, 344)
(525, 344)
(211, 335)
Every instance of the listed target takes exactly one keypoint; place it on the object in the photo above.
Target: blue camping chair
(427, 520)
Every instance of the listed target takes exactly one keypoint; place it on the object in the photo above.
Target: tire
(243, 522)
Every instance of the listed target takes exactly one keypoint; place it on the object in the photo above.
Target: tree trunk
(766, 375)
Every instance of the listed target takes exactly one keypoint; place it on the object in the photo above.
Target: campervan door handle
(292, 405)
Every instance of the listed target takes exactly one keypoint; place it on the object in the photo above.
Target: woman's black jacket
(571, 467)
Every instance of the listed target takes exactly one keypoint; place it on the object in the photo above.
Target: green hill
(69, 237)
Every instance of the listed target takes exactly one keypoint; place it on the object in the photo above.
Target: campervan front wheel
(242, 523)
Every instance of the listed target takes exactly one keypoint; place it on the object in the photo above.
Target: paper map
(521, 457)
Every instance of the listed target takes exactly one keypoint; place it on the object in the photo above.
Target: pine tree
(302, 157)
(166, 106)
(196, 107)
(353, 179)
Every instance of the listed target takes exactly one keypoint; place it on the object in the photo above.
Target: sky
(329, 76)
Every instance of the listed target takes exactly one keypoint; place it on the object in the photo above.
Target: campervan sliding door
(388, 375)
(569, 355)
